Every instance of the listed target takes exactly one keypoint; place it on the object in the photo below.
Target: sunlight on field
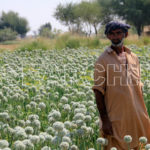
(47, 100)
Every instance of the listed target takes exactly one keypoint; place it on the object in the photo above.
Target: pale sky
(37, 12)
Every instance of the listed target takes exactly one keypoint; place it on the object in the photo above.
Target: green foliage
(89, 13)
(146, 40)
(61, 40)
(65, 14)
(37, 44)
(135, 12)
(93, 43)
(15, 22)
(72, 43)
(106, 10)
(7, 34)
(77, 16)
(45, 30)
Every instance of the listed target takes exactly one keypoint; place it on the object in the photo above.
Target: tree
(107, 11)
(135, 12)
(46, 26)
(65, 14)
(89, 14)
(45, 30)
(13, 21)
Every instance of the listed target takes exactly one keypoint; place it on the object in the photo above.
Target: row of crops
(46, 100)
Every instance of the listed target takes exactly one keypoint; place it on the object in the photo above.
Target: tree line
(12, 26)
(84, 16)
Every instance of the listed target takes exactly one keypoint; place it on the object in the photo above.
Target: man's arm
(106, 124)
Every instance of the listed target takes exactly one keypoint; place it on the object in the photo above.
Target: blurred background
(56, 24)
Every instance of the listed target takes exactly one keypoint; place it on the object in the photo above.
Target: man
(118, 91)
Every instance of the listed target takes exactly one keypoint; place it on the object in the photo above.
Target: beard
(117, 43)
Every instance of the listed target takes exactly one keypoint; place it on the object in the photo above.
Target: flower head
(127, 138)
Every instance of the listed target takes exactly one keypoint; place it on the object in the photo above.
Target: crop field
(47, 102)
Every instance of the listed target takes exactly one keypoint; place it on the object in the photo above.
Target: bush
(146, 40)
(7, 34)
(72, 43)
(93, 43)
(36, 44)
(45, 32)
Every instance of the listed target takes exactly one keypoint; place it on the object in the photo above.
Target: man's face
(116, 36)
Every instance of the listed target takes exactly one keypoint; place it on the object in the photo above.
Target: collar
(110, 50)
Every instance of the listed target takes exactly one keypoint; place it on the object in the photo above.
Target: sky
(37, 12)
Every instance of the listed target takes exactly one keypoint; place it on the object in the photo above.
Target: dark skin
(116, 36)
(106, 124)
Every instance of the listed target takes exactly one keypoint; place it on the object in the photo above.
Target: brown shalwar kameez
(122, 89)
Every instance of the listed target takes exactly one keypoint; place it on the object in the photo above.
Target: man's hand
(106, 126)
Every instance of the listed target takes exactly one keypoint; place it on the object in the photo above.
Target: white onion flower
(143, 140)
(147, 146)
(64, 100)
(127, 138)
(92, 109)
(18, 145)
(67, 107)
(66, 139)
(46, 148)
(55, 114)
(90, 103)
(79, 116)
(85, 129)
(42, 138)
(48, 138)
(113, 148)
(28, 106)
(75, 104)
(34, 139)
(36, 124)
(4, 116)
(21, 123)
(80, 110)
(28, 144)
(42, 106)
(39, 109)
(33, 117)
(58, 126)
(33, 104)
(63, 132)
(88, 118)
(64, 146)
(74, 147)
(67, 124)
(101, 141)
(4, 144)
(50, 130)
(90, 130)
(29, 130)
(51, 120)
(28, 122)
(7, 148)
(80, 123)
(19, 133)
(73, 125)
(10, 131)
